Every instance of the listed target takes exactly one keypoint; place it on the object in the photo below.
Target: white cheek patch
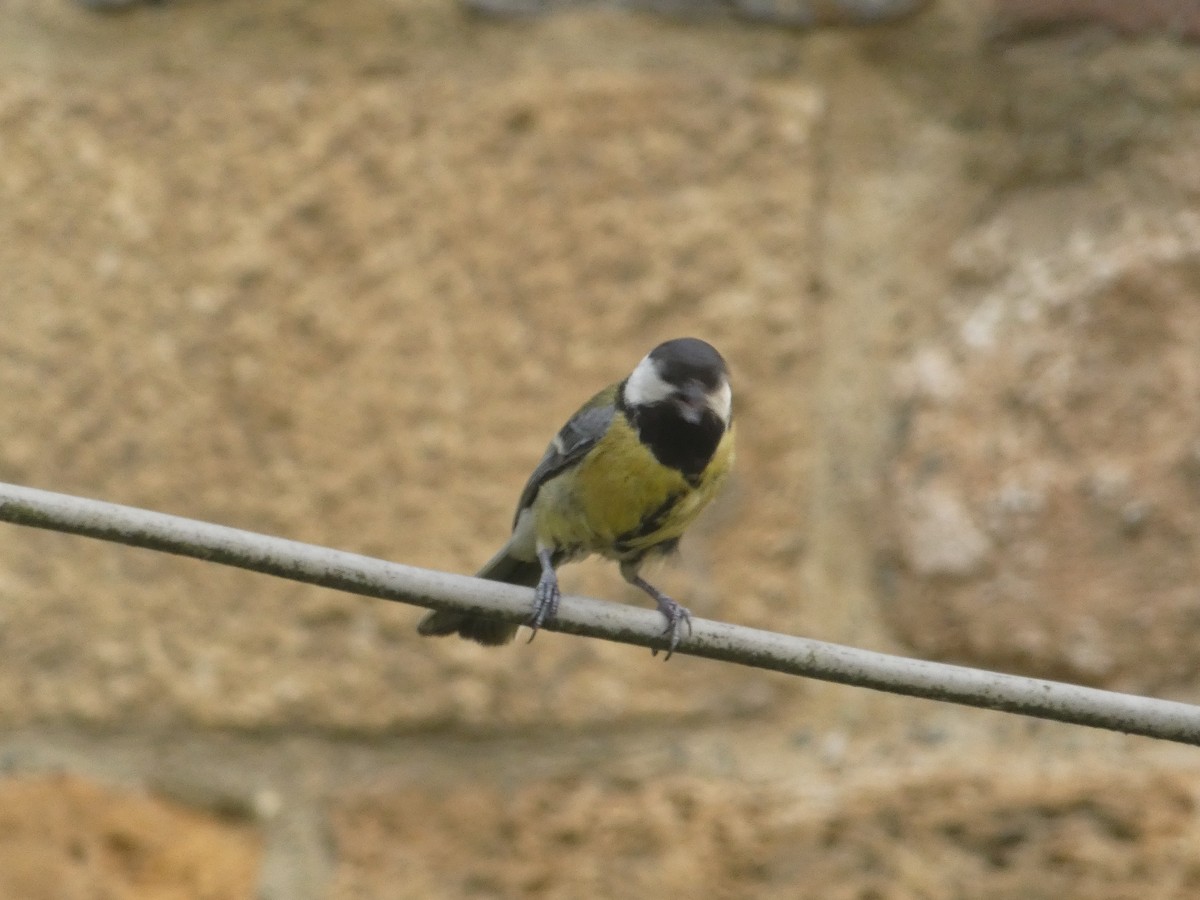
(721, 402)
(646, 386)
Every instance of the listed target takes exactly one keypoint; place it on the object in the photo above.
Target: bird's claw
(545, 605)
(676, 614)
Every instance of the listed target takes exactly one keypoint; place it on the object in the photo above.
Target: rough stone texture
(337, 271)
(1095, 838)
(1047, 486)
(787, 13)
(1048, 490)
(354, 313)
(1181, 17)
(64, 838)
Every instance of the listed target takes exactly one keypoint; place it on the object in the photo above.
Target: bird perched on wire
(624, 478)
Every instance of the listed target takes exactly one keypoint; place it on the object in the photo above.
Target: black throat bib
(674, 441)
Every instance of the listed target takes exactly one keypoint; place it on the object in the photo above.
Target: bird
(623, 478)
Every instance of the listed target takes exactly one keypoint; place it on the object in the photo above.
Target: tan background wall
(338, 271)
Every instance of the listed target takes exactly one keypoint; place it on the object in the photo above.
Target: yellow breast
(620, 501)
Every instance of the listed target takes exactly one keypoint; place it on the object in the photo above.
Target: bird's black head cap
(689, 359)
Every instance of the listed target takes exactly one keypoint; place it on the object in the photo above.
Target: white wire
(587, 617)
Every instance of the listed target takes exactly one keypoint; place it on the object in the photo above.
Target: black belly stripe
(649, 524)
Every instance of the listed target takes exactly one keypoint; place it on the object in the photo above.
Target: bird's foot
(545, 602)
(676, 615)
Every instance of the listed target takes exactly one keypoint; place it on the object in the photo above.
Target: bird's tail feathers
(481, 629)
(507, 568)
(484, 629)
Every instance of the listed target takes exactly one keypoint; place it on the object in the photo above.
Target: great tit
(624, 478)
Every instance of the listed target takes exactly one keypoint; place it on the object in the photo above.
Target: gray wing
(581, 433)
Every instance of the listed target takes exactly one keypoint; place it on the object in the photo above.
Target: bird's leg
(546, 596)
(675, 613)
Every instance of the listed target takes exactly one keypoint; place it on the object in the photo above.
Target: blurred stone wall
(338, 271)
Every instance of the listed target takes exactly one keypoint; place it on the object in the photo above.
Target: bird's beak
(692, 401)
